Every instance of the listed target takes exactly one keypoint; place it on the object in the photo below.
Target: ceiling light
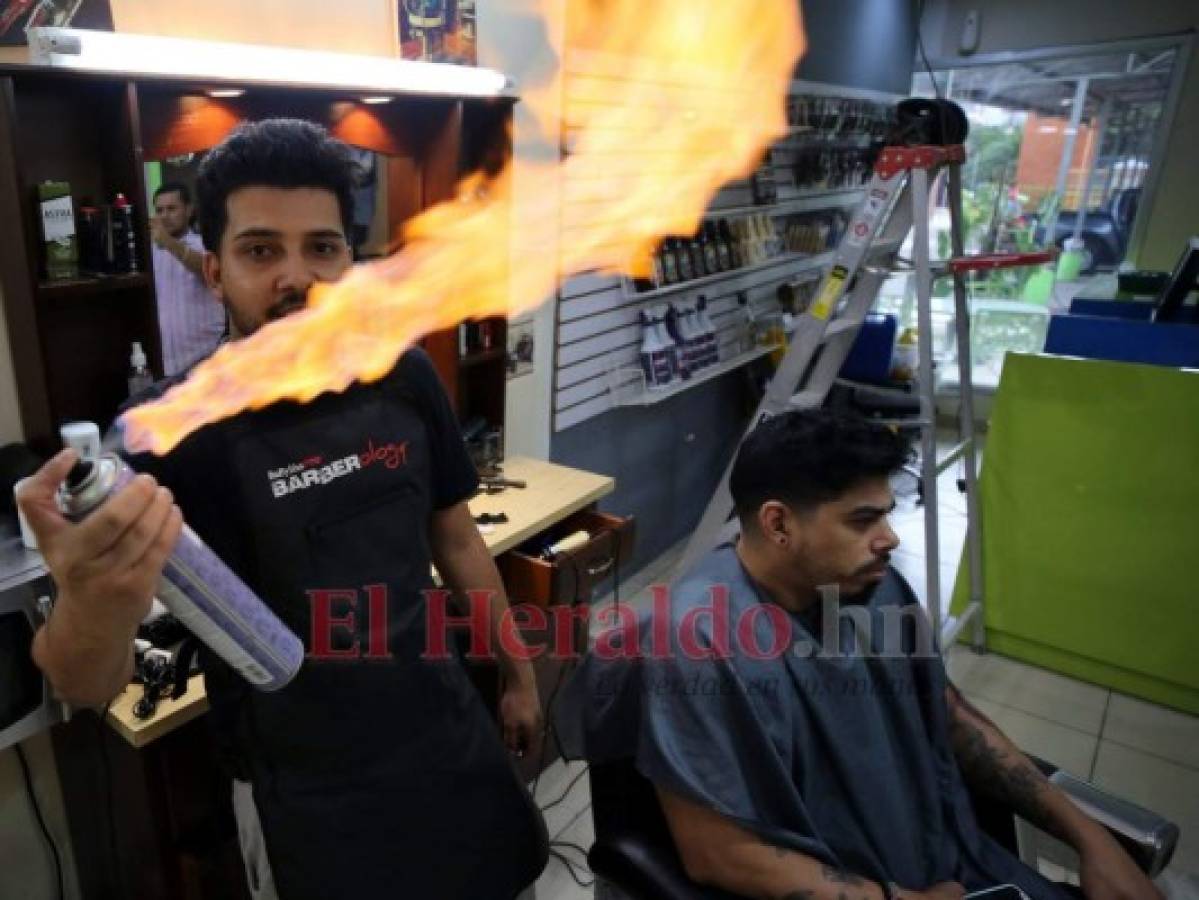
(376, 101)
(192, 60)
(222, 93)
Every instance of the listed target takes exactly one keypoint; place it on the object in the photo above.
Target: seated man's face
(277, 243)
(848, 541)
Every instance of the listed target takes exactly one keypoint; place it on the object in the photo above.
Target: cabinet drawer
(571, 575)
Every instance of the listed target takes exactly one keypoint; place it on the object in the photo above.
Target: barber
(365, 776)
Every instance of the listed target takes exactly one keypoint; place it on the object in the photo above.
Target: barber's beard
(286, 305)
(242, 326)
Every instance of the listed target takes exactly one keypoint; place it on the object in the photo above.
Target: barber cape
(841, 754)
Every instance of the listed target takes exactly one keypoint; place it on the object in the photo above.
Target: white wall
(1009, 25)
(514, 40)
(345, 26)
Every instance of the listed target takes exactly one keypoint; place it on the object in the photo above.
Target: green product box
(58, 229)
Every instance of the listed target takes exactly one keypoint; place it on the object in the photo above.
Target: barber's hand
(520, 715)
(946, 890)
(1107, 873)
(106, 567)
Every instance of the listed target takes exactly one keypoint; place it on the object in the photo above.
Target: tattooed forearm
(1009, 778)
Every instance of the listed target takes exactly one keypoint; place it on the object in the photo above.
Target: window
(1060, 147)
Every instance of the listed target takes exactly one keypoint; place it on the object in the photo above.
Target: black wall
(666, 459)
(867, 44)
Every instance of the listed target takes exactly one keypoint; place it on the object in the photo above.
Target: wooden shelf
(70, 289)
(482, 357)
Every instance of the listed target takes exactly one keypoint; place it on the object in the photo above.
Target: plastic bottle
(673, 321)
(674, 353)
(124, 236)
(140, 376)
(708, 329)
(749, 329)
(683, 255)
(655, 356)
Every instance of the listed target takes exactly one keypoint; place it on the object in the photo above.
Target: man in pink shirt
(190, 318)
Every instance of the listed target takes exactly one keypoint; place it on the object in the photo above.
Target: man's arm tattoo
(1015, 782)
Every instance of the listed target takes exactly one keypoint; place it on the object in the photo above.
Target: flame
(659, 105)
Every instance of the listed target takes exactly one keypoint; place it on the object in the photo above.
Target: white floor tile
(1154, 729)
(1029, 689)
(554, 781)
(556, 882)
(1064, 747)
(1163, 787)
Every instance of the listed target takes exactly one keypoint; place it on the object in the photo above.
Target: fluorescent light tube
(186, 59)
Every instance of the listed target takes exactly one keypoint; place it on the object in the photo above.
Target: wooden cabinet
(71, 340)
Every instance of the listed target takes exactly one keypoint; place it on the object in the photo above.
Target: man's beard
(287, 304)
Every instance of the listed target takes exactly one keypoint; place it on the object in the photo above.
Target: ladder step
(894, 393)
(954, 455)
(954, 625)
(988, 262)
(843, 326)
(809, 399)
(902, 422)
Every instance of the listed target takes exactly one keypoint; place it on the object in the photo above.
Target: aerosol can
(198, 588)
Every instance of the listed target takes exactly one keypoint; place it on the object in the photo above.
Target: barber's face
(277, 243)
(846, 542)
(173, 212)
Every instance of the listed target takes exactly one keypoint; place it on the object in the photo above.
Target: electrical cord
(570, 868)
(920, 46)
(566, 793)
(41, 821)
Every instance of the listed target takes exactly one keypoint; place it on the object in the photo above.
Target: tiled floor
(1136, 750)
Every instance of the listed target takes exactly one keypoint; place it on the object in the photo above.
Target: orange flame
(659, 103)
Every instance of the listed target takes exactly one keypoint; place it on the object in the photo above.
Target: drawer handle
(603, 567)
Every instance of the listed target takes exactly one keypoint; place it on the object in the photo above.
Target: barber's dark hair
(806, 458)
(174, 187)
(278, 153)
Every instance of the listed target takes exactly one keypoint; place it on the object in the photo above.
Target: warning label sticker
(822, 306)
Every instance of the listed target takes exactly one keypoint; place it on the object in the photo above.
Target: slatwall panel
(599, 331)
(598, 328)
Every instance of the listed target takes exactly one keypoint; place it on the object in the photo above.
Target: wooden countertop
(553, 493)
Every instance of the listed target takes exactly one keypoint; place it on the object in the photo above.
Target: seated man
(790, 708)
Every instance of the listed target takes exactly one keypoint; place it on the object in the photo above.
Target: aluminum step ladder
(896, 202)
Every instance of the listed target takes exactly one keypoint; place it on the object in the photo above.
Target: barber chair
(634, 858)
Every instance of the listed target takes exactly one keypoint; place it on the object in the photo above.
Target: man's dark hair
(174, 187)
(806, 458)
(278, 153)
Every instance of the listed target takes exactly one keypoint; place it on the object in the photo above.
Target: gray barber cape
(839, 753)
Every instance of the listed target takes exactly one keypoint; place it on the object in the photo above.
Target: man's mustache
(877, 565)
(286, 305)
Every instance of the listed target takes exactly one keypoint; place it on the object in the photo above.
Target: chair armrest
(646, 871)
(1149, 838)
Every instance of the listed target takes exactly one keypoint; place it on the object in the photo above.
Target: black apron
(373, 777)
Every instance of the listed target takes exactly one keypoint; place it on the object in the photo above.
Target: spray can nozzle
(80, 473)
